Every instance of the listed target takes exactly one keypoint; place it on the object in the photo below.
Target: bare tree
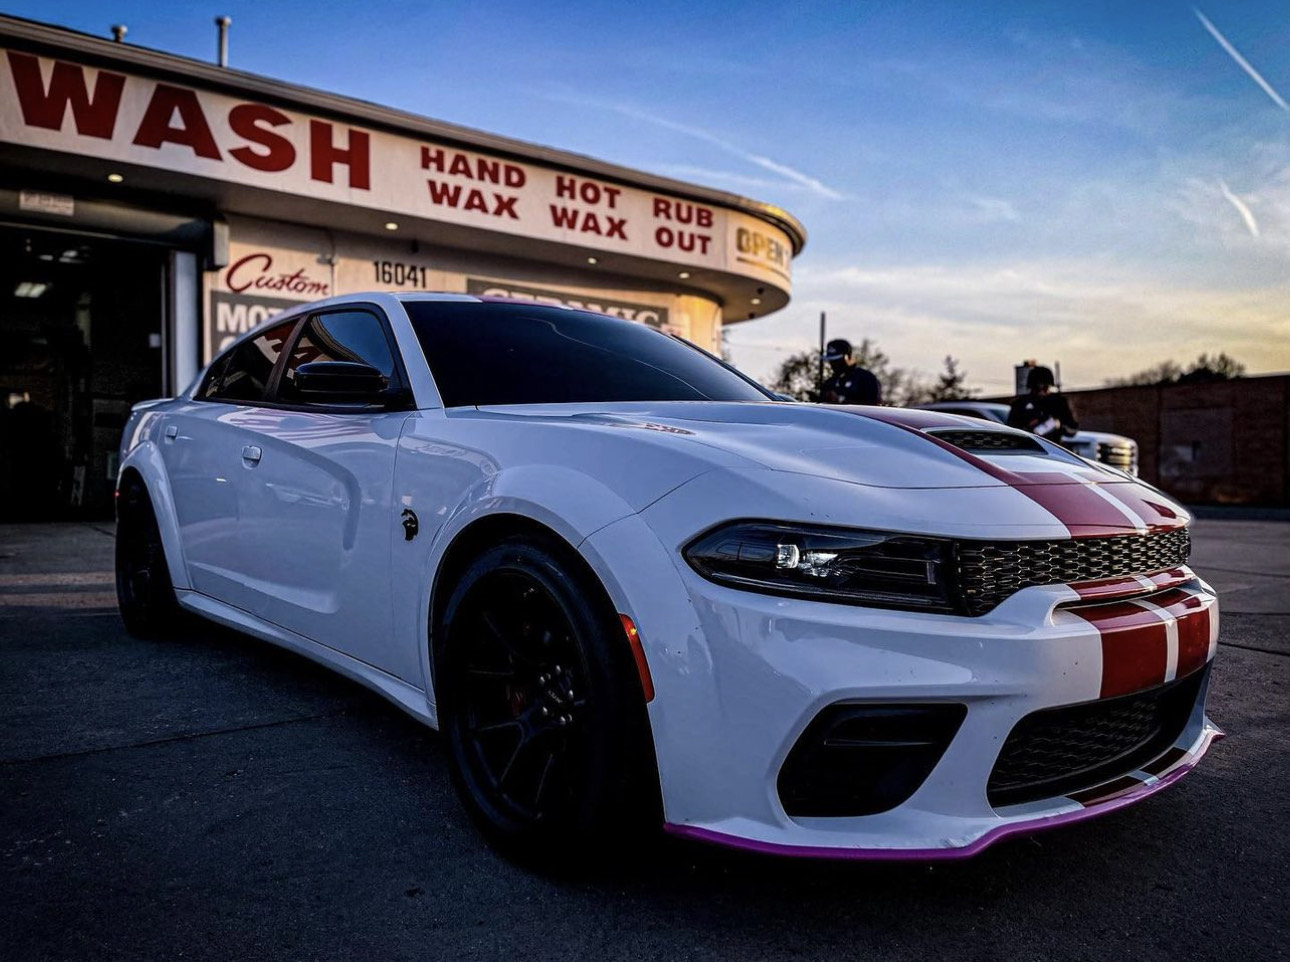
(1220, 367)
(797, 373)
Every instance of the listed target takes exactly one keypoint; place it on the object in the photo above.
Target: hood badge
(410, 524)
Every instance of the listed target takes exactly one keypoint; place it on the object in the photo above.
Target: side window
(213, 377)
(244, 374)
(340, 336)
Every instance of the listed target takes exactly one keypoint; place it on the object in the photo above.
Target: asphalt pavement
(211, 796)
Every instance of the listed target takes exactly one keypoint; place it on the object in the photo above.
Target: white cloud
(1251, 224)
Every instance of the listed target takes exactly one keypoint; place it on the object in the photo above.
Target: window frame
(271, 399)
(218, 365)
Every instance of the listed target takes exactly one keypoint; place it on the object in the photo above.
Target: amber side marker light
(642, 666)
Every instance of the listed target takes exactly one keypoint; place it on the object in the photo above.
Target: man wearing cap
(850, 383)
(1040, 411)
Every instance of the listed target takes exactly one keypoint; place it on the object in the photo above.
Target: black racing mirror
(342, 382)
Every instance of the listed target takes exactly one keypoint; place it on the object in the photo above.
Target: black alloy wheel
(541, 705)
(144, 593)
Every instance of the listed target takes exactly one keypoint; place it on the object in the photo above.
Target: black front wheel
(144, 593)
(541, 705)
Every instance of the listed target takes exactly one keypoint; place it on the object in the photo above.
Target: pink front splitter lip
(1026, 827)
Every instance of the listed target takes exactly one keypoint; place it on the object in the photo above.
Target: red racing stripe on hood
(1073, 502)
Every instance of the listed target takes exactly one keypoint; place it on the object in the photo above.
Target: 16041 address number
(400, 275)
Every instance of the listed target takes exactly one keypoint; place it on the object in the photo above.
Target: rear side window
(243, 374)
(341, 336)
(483, 354)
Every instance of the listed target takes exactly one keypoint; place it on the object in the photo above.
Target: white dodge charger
(634, 589)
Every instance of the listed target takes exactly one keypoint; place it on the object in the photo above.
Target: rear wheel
(144, 593)
(541, 706)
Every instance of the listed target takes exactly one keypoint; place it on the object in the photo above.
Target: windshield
(488, 354)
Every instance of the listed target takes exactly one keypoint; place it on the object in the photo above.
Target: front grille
(1117, 455)
(1062, 750)
(970, 440)
(990, 571)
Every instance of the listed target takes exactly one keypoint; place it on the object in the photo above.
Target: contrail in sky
(783, 170)
(1241, 61)
(789, 174)
(1246, 214)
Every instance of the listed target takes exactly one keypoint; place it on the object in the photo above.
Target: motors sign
(655, 317)
(71, 107)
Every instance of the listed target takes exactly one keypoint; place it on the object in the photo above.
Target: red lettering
(193, 131)
(324, 154)
(590, 224)
(617, 227)
(232, 279)
(432, 158)
(475, 201)
(93, 114)
(294, 283)
(564, 217)
(682, 213)
(505, 205)
(483, 169)
(443, 193)
(587, 191)
(245, 121)
(682, 239)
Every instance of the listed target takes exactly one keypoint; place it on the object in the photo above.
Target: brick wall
(1225, 443)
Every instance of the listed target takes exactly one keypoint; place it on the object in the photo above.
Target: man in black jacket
(1042, 412)
(850, 383)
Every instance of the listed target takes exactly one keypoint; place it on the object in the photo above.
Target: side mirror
(344, 382)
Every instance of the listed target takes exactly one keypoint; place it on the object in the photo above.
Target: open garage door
(82, 327)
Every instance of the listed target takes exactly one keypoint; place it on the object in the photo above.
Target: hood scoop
(990, 442)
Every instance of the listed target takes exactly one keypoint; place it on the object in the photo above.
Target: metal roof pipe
(223, 23)
(118, 32)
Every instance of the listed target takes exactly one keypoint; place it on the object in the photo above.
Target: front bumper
(740, 676)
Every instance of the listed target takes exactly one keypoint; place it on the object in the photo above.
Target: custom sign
(65, 106)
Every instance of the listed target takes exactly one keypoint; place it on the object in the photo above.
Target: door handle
(252, 453)
(172, 432)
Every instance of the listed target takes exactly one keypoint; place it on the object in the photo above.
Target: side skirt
(408, 697)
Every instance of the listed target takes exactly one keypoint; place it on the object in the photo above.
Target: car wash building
(153, 207)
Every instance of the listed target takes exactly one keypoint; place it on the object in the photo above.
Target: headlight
(842, 565)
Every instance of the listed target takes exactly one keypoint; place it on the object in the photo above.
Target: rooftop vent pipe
(223, 23)
(119, 32)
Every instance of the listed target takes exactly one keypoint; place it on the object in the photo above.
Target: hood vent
(990, 442)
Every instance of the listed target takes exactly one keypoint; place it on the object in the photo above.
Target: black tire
(541, 706)
(145, 595)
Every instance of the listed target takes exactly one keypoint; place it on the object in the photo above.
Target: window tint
(342, 336)
(483, 354)
(244, 374)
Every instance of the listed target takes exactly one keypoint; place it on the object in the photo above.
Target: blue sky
(1100, 184)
